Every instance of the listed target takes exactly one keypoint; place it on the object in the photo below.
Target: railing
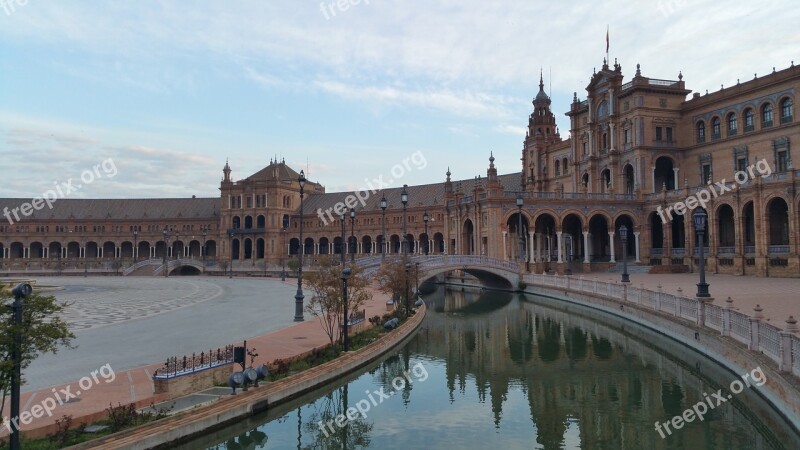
(599, 196)
(657, 82)
(678, 251)
(696, 252)
(726, 250)
(139, 265)
(758, 335)
(749, 249)
(627, 86)
(177, 366)
(656, 252)
(573, 195)
(173, 263)
(778, 249)
(465, 260)
(466, 199)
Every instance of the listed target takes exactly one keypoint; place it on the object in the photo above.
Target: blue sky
(170, 90)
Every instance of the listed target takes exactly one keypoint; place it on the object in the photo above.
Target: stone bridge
(493, 272)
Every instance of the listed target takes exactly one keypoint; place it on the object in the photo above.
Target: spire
(542, 96)
(227, 171)
(541, 80)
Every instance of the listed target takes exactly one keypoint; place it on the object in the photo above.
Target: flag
(606, 40)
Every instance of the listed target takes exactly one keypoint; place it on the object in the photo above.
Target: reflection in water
(523, 373)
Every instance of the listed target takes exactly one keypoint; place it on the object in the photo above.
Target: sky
(164, 92)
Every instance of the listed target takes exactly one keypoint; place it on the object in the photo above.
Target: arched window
(602, 110)
(749, 120)
(701, 132)
(786, 110)
(564, 166)
(715, 128)
(558, 167)
(732, 124)
(766, 115)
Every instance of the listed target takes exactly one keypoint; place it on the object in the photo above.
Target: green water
(496, 370)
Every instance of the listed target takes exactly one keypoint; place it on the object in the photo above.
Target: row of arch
(731, 119)
(366, 245)
(107, 250)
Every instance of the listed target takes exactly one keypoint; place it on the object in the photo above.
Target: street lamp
(569, 254)
(341, 243)
(700, 217)
(520, 202)
(426, 218)
(21, 291)
(298, 298)
(345, 275)
(203, 251)
(623, 234)
(384, 205)
(404, 201)
(135, 244)
(166, 249)
(283, 233)
(231, 234)
(85, 258)
(177, 238)
(353, 235)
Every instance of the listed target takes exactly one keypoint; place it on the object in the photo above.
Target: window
(732, 124)
(659, 137)
(766, 115)
(602, 110)
(558, 167)
(585, 148)
(715, 128)
(782, 161)
(701, 132)
(749, 120)
(741, 164)
(564, 166)
(627, 136)
(706, 173)
(669, 134)
(786, 110)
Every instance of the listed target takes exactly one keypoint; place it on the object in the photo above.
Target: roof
(138, 208)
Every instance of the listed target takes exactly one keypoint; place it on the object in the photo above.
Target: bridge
(194, 265)
(493, 272)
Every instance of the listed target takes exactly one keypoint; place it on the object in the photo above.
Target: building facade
(637, 150)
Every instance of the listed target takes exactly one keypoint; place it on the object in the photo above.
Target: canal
(493, 369)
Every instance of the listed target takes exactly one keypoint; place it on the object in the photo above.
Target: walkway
(135, 385)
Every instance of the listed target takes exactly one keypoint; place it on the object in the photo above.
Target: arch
(716, 128)
(261, 221)
(126, 249)
(16, 250)
(2, 252)
(766, 115)
(517, 237)
(394, 244)
(786, 109)
(337, 245)
(36, 250)
(679, 231)
(308, 246)
(565, 166)
(599, 240)
(194, 249)
(352, 245)
(664, 174)
(726, 228)
(545, 237)
(410, 243)
(248, 222)
(91, 249)
(628, 176)
(467, 238)
(236, 222)
(424, 244)
(701, 131)
(585, 180)
(143, 249)
(109, 250)
(73, 250)
(260, 248)
(211, 248)
(438, 243)
(605, 181)
(294, 246)
(630, 247)
(366, 245)
(777, 215)
(285, 222)
(749, 119)
(53, 250)
(656, 230)
(177, 248)
(572, 229)
(748, 227)
(732, 123)
(557, 167)
(324, 246)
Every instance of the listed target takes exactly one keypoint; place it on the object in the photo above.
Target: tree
(293, 264)
(392, 279)
(326, 303)
(42, 330)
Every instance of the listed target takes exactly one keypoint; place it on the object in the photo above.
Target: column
(653, 177)
(636, 237)
(558, 239)
(505, 255)
(586, 247)
(611, 244)
(612, 129)
(538, 247)
(530, 246)
(675, 172)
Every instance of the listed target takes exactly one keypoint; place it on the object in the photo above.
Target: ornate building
(636, 150)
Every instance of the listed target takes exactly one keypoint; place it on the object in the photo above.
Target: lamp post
(298, 298)
(177, 238)
(353, 234)
(231, 234)
(700, 217)
(404, 201)
(341, 244)
(345, 275)
(623, 234)
(135, 244)
(520, 202)
(21, 291)
(283, 233)
(85, 258)
(166, 250)
(569, 254)
(203, 251)
(426, 218)
(384, 205)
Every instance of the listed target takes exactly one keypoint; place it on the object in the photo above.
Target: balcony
(749, 249)
(766, 124)
(678, 251)
(749, 128)
(778, 249)
(697, 251)
(786, 119)
(726, 250)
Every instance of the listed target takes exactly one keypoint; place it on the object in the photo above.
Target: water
(491, 369)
